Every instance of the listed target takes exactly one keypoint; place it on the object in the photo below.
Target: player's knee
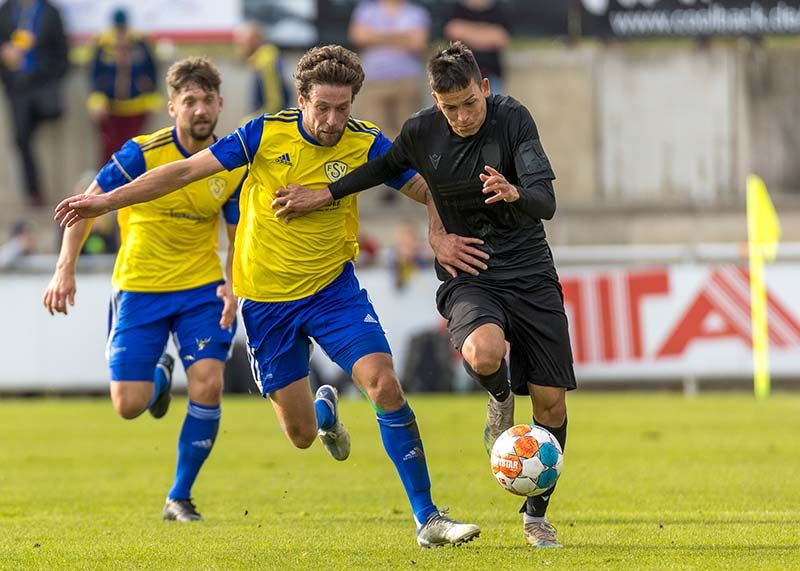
(206, 388)
(128, 406)
(301, 436)
(484, 360)
(387, 392)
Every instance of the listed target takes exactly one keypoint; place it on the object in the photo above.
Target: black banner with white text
(688, 18)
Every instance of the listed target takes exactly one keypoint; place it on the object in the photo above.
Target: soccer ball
(527, 460)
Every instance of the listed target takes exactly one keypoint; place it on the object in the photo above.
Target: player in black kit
(491, 185)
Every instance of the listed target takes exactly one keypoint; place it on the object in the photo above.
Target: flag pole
(763, 232)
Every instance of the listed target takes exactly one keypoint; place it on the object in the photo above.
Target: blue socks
(160, 383)
(324, 412)
(403, 444)
(194, 445)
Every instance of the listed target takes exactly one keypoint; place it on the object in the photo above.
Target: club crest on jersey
(335, 170)
(217, 186)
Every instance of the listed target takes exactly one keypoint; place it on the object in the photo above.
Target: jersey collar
(186, 154)
(303, 132)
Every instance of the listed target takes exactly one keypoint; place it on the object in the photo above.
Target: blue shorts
(340, 318)
(139, 325)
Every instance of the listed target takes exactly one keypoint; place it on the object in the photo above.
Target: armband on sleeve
(532, 162)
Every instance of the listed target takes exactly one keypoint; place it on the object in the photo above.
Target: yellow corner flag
(763, 233)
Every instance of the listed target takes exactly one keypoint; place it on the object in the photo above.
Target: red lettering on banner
(726, 296)
(641, 285)
(610, 348)
(599, 327)
(573, 299)
(694, 325)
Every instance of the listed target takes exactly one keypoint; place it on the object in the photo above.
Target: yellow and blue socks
(194, 445)
(403, 444)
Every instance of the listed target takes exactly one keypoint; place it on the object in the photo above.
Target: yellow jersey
(169, 244)
(277, 261)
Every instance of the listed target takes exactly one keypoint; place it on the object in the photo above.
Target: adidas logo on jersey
(370, 319)
(284, 159)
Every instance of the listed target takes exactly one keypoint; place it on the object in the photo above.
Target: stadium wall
(625, 124)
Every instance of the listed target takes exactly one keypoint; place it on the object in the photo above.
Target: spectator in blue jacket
(124, 85)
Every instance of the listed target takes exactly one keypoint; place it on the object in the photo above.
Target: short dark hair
(193, 70)
(453, 68)
(328, 65)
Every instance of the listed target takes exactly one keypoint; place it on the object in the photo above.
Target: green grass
(650, 481)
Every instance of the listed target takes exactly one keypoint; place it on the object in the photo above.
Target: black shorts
(530, 312)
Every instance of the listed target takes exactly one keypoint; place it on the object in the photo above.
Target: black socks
(536, 506)
(496, 384)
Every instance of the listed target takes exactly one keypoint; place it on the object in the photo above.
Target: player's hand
(60, 292)
(496, 184)
(74, 208)
(295, 200)
(456, 252)
(225, 293)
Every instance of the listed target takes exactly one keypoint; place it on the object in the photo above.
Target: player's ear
(171, 108)
(485, 87)
(221, 101)
(436, 99)
(301, 101)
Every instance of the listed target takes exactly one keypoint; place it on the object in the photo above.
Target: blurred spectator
(484, 27)
(428, 366)
(21, 243)
(391, 36)
(123, 82)
(270, 93)
(408, 254)
(33, 61)
(368, 250)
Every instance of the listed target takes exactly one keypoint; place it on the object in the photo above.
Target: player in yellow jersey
(168, 277)
(296, 280)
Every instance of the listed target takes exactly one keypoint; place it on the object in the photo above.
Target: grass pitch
(650, 481)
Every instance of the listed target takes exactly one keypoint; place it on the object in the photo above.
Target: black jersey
(508, 141)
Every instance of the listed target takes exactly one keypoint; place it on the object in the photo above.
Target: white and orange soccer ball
(527, 460)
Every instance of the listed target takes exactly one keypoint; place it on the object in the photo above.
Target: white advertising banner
(635, 324)
(202, 20)
(678, 321)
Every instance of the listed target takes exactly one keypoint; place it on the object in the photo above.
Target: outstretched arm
(388, 161)
(151, 185)
(416, 189)
(60, 292)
